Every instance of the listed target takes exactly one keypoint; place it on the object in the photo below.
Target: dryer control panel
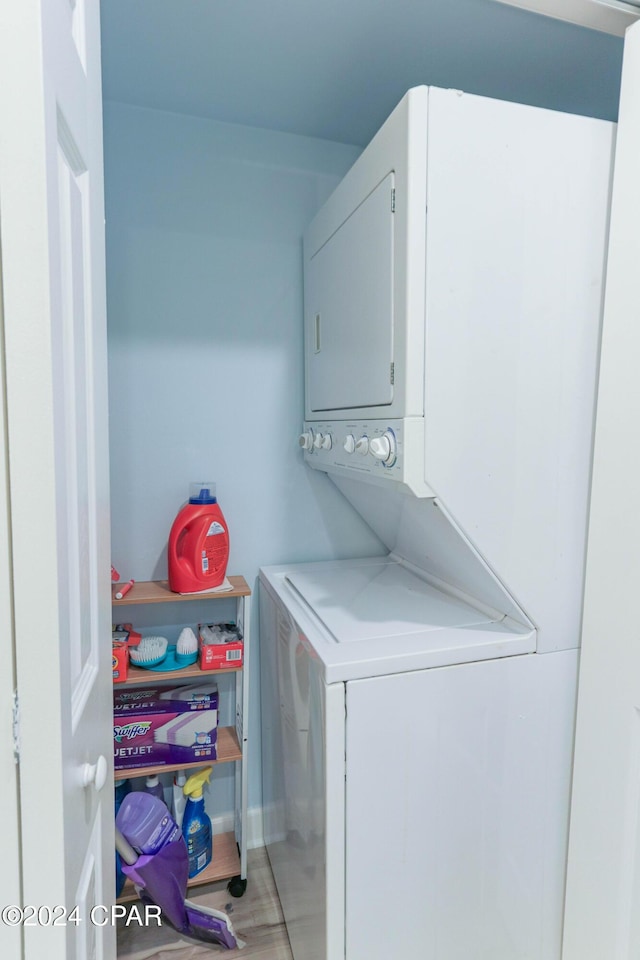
(374, 450)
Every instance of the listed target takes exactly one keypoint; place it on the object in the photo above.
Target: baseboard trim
(255, 829)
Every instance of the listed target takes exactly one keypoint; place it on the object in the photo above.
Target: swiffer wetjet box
(193, 696)
(149, 730)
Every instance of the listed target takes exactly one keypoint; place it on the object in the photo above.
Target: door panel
(72, 406)
(349, 309)
(603, 882)
(52, 218)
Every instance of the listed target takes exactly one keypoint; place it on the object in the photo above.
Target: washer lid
(373, 617)
(379, 599)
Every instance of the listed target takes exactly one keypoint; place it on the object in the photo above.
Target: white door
(52, 228)
(602, 920)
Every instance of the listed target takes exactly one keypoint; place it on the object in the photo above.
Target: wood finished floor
(257, 919)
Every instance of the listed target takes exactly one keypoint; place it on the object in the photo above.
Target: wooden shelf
(138, 675)
(228, 750)
(225, 864)
(157, 591)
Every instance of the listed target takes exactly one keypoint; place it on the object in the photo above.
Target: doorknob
(95, 773)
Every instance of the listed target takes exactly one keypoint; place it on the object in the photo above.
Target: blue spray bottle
(196, 824)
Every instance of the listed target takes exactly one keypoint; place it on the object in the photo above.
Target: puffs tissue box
(221, 646)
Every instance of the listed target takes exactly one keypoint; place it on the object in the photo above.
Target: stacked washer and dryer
(418, 708)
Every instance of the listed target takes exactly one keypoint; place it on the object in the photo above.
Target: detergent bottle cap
(152, 780)
(202, 491)
(180, 778)
(195, 784)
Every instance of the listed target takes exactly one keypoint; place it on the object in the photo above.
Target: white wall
(204, 275)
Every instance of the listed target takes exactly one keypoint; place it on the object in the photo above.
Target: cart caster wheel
(237, 886)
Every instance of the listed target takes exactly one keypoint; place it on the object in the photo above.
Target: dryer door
(349, 309)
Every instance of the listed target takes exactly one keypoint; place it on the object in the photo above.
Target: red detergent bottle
(198, 543)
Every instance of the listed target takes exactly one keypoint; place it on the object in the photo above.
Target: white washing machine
(416, 766)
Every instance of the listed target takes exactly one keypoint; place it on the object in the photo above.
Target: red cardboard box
(120, 660)
(221, 656)
(224, 655)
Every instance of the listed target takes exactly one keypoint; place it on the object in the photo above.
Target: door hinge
(15, 725)
(393, 199)
(392, 374)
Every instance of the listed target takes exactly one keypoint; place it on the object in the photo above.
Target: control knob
(349, 443)
(318, 440)
(305, 440)
(384, 448)
(327, 442)
(362, 446)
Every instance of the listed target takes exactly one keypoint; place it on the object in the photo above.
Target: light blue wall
(204, 295)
